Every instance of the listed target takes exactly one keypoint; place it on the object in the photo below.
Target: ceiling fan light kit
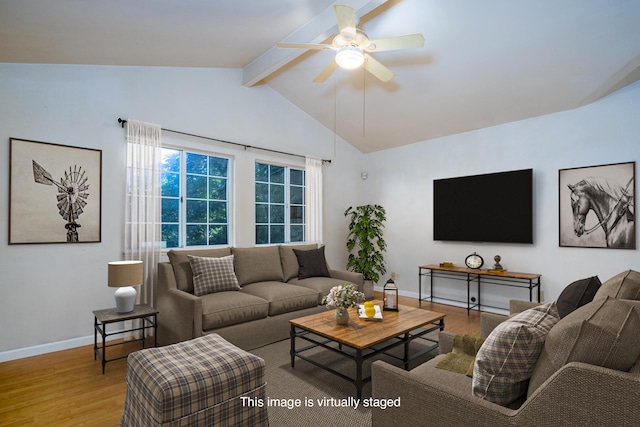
(353, 46)
(349, 57)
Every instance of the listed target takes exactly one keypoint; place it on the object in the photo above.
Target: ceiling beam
(317, 30)
(628, 74)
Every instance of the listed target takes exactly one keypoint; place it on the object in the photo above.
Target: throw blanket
(463, 356)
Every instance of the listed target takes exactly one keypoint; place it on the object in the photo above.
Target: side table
(101, 318)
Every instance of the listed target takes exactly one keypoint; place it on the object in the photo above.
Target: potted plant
(365, 234)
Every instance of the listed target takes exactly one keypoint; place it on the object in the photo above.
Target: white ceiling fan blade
(346, 17)
(393, 43)
(324, 74)
(377, 69)
(306, 46)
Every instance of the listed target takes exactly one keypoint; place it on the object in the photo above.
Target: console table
(528, 281)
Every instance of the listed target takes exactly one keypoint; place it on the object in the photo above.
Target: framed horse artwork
(597, 206)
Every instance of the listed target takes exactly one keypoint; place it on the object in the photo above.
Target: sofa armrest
(488, 322)
(583, 394)
(445, 342)
(518, 306)
(348, 276)
(180, 313)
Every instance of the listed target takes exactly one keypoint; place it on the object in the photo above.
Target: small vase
(342, 316)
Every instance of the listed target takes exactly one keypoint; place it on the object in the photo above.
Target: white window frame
(287, 198)
(182, 213)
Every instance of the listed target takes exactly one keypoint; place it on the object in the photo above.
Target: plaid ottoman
(199, 382)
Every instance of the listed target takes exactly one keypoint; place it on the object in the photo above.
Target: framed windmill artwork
(597, 206)
(54, 193)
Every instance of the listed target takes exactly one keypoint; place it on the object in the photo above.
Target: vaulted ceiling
(484, 62)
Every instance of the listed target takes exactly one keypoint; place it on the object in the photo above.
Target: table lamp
(124, 275)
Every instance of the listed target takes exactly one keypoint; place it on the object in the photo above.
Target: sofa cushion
(506, 359)
(290, 261)
(311, 263)
(231, 307)
(602, 333)
(577, 294)
(625, 285)
(182, 269)
(283, 297)
(213, 275)
(322, 285)
(259, 264)
(429, 373)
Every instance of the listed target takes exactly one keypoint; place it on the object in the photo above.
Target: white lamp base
(125, 299)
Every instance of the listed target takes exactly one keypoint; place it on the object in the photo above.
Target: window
(279, 204)
(195, 199)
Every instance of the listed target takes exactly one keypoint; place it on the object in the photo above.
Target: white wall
(401, 180)
(49, 291)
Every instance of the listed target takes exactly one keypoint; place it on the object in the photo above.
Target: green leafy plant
(365, 235)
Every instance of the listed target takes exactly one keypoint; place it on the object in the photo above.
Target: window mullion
(183, 199)
(287, 205)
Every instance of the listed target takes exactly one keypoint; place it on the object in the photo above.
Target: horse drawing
(613, 206)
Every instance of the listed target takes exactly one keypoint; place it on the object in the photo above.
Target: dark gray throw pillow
(577, 294)
(311, 263)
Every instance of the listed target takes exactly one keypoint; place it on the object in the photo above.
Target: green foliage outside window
(195, 200)
(279, 205)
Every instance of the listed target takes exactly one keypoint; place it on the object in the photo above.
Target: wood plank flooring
(67, 388)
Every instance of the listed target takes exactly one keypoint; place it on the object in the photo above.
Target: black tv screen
(495, 207)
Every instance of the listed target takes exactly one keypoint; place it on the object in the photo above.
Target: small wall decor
(54, 193)
(597, 206)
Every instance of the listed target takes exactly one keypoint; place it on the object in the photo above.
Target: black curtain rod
(245, 146)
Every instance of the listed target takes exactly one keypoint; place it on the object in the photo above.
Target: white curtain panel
(313, 199)
(143, 239)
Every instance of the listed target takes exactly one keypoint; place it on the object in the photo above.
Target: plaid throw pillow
(506, 360)
(213, 275)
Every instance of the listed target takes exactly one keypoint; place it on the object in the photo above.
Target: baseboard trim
(36, 350)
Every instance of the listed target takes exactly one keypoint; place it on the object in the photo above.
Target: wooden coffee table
(366, 338)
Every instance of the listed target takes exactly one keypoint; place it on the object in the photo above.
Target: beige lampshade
(125, 273)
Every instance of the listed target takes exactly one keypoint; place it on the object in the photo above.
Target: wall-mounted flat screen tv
(495, 207)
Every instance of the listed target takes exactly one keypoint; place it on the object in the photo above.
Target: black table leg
(104, 347)
(144, 332)
(155, 330)
(359, 382)
(293, 345)
(405, 358)
(95, 337)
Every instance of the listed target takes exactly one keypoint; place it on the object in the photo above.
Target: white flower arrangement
(342, 297)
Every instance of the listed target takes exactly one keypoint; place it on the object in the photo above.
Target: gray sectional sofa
(586, 374)
(271, 289)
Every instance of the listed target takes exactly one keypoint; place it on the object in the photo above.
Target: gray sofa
(567, 387)
(270, 294)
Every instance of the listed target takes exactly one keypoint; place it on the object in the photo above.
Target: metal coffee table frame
(359, 355)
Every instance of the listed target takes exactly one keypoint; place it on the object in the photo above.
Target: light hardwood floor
(67, 388)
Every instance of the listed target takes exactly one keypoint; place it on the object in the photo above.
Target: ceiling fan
(353, 46)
